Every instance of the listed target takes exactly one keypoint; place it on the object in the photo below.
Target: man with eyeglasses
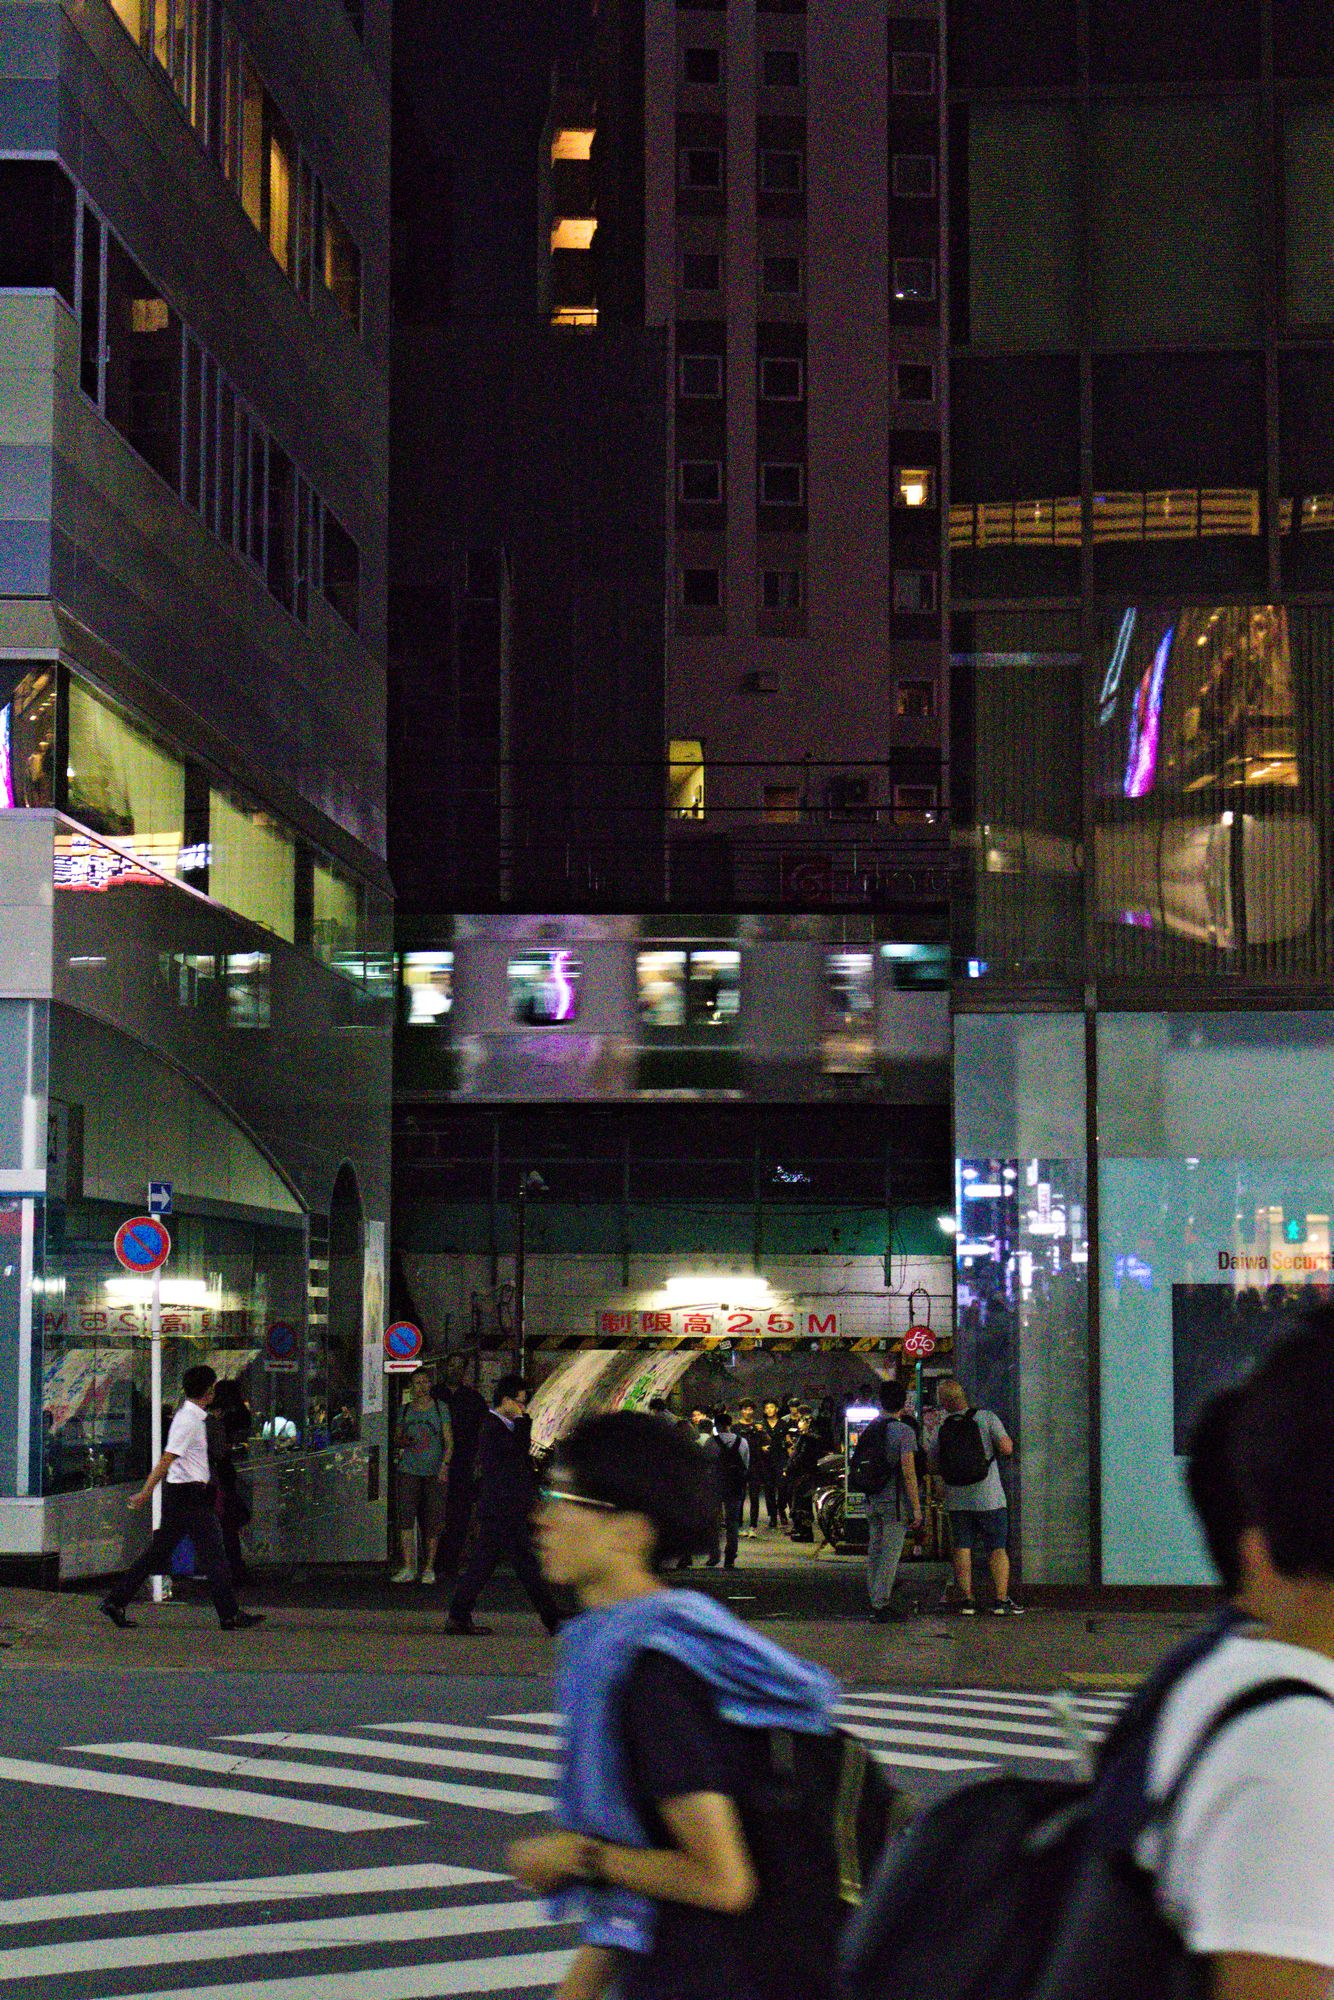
(506, 1491)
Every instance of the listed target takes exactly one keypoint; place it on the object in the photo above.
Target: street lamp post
(529, 1183)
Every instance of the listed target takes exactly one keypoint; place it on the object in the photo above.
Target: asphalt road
(351, 1848)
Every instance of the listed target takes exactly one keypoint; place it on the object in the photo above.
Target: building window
(915, 382)
(780, 69)
(703, 66)
(913, 75)
(701, 589)
(37, 227)
(783, 590)
(573, 232)
(915, 805)
(782, 378)
(914, 176)
(782, 277)
(916, 701)
(701, 271)
(572, 142)
(700, 374)
(252, 865)
(1308, 192)
(914, 591)
(337, 923)
(142, 385)
(702, 167)
(341, 571)
(685, 778)
(428, 987)
(122, 784)
(782, 805)
(700, 480)
(914, 486)
(782, 483)
(342, 266)
(914, 279)
(781, 170)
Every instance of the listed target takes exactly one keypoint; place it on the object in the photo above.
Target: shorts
(421, 1500)
(983, 1530)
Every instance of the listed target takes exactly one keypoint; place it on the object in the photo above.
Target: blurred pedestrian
(228, 1426)
(773, 1435)
(733, 1483)
(425, 1448)
(183, 1474)
(968, 1446)
(671, 1707)
(467, 1413)
(506, 1491)
(884, 1468)
(747, 1426)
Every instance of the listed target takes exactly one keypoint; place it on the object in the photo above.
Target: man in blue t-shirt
(978, 1514)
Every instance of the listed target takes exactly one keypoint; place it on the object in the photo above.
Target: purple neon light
(565, 1002)
(1146, 723)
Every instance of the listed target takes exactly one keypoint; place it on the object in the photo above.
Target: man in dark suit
(467, 1413)
(506, 1491)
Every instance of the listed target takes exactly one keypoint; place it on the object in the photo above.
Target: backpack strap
(1263, 1695)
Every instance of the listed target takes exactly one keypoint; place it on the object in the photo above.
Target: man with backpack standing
(733, 1483)
(884, 1468)
(968, 1446)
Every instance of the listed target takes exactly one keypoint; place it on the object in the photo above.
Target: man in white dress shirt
(186, 1510)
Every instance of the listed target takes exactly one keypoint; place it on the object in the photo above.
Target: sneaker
(463, 1628)
(404, 1575)
(116, 1613)
(243, 1621)
(427, 1576)
(1005, 1607)
(967, 1608)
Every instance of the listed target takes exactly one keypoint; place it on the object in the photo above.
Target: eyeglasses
(554, 1493)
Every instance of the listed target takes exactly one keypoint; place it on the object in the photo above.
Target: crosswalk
(424, 1929)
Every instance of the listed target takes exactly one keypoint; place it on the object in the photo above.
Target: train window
(918, 967)
(713, 990)
(544, 988)
(696, 987)
(428, 987)
(850, 981)
(662, 989)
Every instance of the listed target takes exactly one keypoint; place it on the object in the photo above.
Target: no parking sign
(142, 1245)
(402, 1347)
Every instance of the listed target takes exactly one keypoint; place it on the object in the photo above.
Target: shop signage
(919, 1342)
(142, 1245)
(402, 1347)
(722, 1323)
(282, 1348)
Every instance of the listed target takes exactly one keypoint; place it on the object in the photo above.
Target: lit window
(914, 279)
(572, 142)
(700, 374)
(701, 271)
(917, 700)
(914, 176)
(429, 987)
(782, 378)
(913, 75)
(914, 591)
(914, 487)
(782, 590)
(682, 987)
(685, 777)
(544, 988)
(702, 167)
(915, 805)
(701, 589)
(782, 805)
(782, 484)
(252, 865)
(585, 316)
(915, 382)
(573, 232)
(282, 192)
(701, 480)
(661, 979)
(337, 922)
(780, 69)
(342, 265)
(781, 170)
(782, 277)
(122, 784)
(702, 66)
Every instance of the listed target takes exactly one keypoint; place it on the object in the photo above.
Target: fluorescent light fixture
(861, 1413)
(175, 1291)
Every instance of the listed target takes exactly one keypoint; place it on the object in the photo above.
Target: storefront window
(124, 785)
(544, 988)
(252, 865)
(1216, 1192)
(1021, 1251)
(428, 987)
(335, 913)
(27, 739)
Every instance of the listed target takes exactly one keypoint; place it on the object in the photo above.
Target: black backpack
(961, 1453)
(733, 1477)
(870, 1471)
(1053, 1912)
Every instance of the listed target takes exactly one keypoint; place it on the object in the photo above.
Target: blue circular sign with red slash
(402, 1341)
(142, 1245)
(281, 1342)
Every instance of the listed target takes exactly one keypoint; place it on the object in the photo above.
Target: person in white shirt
(183, 1473)
(1245, 1869)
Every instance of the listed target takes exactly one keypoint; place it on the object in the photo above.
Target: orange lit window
(914, 487)
(573, 142)
(573, 232)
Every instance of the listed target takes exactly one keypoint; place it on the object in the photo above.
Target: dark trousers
(186, 1510)
(756, 1487)
(731, 1527)
(497, 1540)
(459, 1497)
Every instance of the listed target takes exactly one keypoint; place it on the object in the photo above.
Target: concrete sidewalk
(1044, 1649)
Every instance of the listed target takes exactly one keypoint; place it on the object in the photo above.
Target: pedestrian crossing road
(370, 1803)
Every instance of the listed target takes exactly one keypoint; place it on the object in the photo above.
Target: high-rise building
(195, 989)
(1142, 628)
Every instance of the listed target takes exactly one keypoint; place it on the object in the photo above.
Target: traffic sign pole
(142, 1246)
(155, 1414)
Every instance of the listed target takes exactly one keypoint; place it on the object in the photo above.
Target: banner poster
(799, 1320)
(372, 1322)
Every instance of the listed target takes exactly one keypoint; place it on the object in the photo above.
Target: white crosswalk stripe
(524, 1972)
(78, 1904)
(972, 1729)
(203, 1798)
(334, 1777)
(521, 1739)
(403, 1753)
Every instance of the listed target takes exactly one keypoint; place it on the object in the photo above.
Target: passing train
(590, 1008)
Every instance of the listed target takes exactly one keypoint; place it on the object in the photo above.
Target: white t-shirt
(187, 1440)
(1250, 1862)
